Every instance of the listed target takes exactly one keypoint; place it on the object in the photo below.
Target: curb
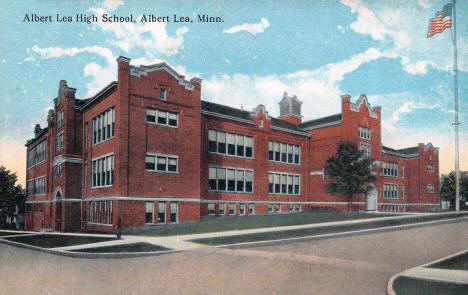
(390, 290)
(88, 255)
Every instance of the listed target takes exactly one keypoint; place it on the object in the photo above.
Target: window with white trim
(390, 191)
(149, 212)
(211, 209)
(30, 188)
(251, 209)
(103, 126)
(161, 212)
(222, 209)
(242, 209)
(59, 119)
(285, 153)
(389, 169)
(100, 212)
(59, 141)
(41, 152)
(39, 186)
(230, 180)
(162, 94)
(430, 168)
(230, 144)
(402, 191)
(103, 171)
(285, 184)
(161, 117)
(58, 170)
(232, 209)
(364, 133)
(365, 148)
(161, 163)
(31, 157)
(173, 212)
(430, 188)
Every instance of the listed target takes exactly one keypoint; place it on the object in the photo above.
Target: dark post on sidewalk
(119, 228)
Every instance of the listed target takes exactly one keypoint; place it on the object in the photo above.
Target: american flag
(442, 21)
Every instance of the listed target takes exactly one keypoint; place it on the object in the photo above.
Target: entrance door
(58, 211)
(371, 200)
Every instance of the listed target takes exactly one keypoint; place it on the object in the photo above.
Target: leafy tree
(447, 186)
(350, 172)
(11, 195)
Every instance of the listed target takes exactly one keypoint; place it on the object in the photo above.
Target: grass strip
(228, 223)
(135, 247)
(52, 241)
(412, 286)
(5, 233)
(316, 231)
(459, 262)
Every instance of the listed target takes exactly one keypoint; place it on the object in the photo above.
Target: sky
(317, 50)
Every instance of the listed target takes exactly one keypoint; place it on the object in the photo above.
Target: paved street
(350, 265)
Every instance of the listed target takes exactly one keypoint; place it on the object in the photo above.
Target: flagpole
(457, 167)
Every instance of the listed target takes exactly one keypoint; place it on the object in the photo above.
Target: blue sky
(317, 50)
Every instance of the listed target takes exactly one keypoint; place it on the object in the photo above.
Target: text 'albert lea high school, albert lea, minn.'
(112, 18)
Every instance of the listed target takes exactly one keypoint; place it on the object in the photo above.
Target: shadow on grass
(52, 241)
(412, 286)
(136, 247)
(227, 223)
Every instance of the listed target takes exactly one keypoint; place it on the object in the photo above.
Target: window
(402, 191)
(211, 209)
(85, 178)
(60, 119)
(251, 209)
(389, 169)
(232, 209)
(430, 168)
(58, 170)
(365, 148)
(59, 141)
(30, 188)
(161, 163)
(242, 209)
(86, 135)
(230, 144)
(430, 188)
(260, 123)
(222, 209)
(277, 208)
(403, 172)
(103, 171)
(285, 153)
(285, 184)
(390, 191)
(230, 180)
(103, 126)
(41, 152)
(31, 157)
(270, 208)
(364, 133)
(100, 212)
(162, 117)
(161, 212)
(39, 185)
(149, 208)
(162, 93)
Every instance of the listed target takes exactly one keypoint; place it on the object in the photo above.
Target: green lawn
(217, 224)
(459, 262)
(411, 286)
(136, 247)
(52, 241)
(316, 231)
(5, 233)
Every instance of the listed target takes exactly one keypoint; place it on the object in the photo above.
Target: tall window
(103, 171)
(230, 180)
(30, 188)
(160, 117)
(365, 148)
(149, 208)
(162, 93)
(161, 163)
(31, 157)
(285, 184)
(430, 188)
(60, 119)
(41, 152)
(251, 209)
(389, 169)
(285, 153)
(211, 209)
(230, 144)
(103, 126)
(161, 212)
(390, 191)
(59, 141)
(364, 133)
(100, 212)
(40, 186)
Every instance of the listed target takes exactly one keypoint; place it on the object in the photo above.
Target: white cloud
(406, 108)
(112, 4)
(341, 29)
(423, 4)
(152, 37)
(3, 61)
(253, 29)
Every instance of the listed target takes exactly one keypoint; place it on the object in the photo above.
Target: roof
(406, 151)
(105, 92)
(283, 124)
(225, 110)
(37, 136)
(320, 121)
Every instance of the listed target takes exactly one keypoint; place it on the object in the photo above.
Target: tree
(11, 195)
(447, 186)
(350, 172)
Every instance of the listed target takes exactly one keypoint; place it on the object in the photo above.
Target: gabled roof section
(406, 152)
(363, 100)
(321, 122)
(145, 70)
(83, 104)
